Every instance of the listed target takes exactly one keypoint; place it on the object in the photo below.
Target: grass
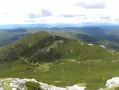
(67, 73)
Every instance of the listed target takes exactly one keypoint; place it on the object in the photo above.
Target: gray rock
(1, 88)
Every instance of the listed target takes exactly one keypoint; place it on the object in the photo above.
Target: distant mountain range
(60, 25)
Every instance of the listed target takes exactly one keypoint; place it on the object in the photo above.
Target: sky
(58, 11)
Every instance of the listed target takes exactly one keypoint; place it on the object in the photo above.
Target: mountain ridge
(45, 41)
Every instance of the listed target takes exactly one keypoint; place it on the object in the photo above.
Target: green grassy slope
(59, 61)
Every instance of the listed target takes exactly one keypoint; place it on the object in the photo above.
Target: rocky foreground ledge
(19, 84)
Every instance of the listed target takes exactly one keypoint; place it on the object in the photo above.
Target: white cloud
(92, 4)
(58, 11)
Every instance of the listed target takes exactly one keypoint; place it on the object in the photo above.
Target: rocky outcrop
(51, 87)
(111, 84)
(16, 83)
(114, 82)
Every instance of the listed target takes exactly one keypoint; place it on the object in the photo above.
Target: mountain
(59, 61)
(45, 46)
(58, 25)
(107, 36)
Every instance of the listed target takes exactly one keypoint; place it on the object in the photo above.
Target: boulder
(14, 88)
(114, 82)
(1, 88)
(75, 87)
